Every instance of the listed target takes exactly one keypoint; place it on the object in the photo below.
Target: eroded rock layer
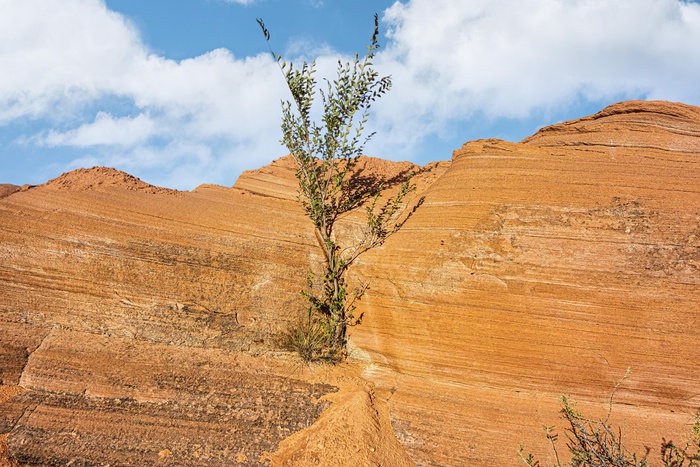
(7, 190)
(142, 321)
(539, 269)
(118, 284)
(82, 253)
(104, 400)
(116, 295)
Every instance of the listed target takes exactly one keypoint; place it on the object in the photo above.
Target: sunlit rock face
(124, 307)
(142, 322)
(543, 268)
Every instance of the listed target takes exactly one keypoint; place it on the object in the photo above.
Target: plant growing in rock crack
(594, 443)
(327, 154)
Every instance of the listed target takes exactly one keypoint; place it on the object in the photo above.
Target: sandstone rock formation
(7, 190)
(110, 285)
(126, 309)
(539, 269)
(142, 322)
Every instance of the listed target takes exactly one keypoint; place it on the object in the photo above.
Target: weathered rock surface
(80, 253)
(7, 190)
(120, 283)
(104, 400)
(539, 269)
(141, 321)
(115, 293)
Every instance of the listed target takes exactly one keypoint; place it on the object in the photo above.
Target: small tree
(327, 154)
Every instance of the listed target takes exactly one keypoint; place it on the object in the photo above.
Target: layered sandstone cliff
(539, 269)
(7, 190)
(141, 321)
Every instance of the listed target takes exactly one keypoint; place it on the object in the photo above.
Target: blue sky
(184, 92)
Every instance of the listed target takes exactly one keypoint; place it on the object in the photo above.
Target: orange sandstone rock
(142, 321)
(538, 269)
(7, 190)
(111, 288)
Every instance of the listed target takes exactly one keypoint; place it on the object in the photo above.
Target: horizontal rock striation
(94, 400)
(7, 190)
(107, 276)
(117, 284)
(538, 269)
(142, 321)
(151, 264)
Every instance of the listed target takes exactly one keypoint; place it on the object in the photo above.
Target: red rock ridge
(632, 124)
(106, 282)
(7, 189)
(540, 269)
(103, 177)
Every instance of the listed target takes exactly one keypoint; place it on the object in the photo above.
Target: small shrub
(672, 456)
(594, 443)
(310, 339)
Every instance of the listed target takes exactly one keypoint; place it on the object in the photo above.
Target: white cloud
(182, 163)
(452, 60)
(202, 118)
(105, 130)
(62, 57)
(61, 52)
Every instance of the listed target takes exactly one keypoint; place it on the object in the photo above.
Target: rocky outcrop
(636, 126)
(110, 289)
(103, 177)
(7, 190)
(539, 269)
(108, 282)
(142, 321)
(104, 400)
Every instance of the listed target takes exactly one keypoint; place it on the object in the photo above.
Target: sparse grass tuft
(311, 340)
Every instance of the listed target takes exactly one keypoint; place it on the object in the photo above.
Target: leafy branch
(326, 155)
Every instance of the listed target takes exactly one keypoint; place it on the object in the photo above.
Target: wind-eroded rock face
(129, 299)
(7, 190)
(539, 269)
(141, 321)
(123, 303)
(99, 251)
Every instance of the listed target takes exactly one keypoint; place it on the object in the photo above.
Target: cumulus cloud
(62, 58)
(61, 52)
(105, 130)
(180, 123)
(452, 60)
